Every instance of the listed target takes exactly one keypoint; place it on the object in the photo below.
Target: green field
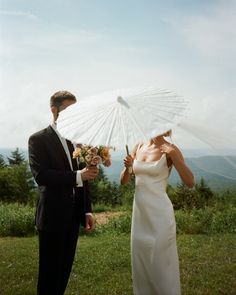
(102, 265)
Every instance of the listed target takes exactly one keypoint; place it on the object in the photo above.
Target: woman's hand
(128, 161)
(169, 149)
(125, 174)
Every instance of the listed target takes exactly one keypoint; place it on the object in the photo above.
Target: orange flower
(92, 155)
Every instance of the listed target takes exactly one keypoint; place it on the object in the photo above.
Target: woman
(155, 266)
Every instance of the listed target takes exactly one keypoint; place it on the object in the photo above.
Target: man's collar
(54, 126)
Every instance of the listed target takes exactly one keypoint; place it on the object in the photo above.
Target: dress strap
(137, 149)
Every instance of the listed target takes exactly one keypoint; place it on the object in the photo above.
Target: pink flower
(92, 155)
(96, 160)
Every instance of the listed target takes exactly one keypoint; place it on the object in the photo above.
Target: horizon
(188, 153)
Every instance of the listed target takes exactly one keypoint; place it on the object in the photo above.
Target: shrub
(16, 220)
(16, 184)
(197, 221)
(185, 198)
(117, 225)
(224, 221)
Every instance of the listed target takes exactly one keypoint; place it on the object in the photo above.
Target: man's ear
(54, 111)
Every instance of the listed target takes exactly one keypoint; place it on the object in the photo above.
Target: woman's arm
(178, 161)
(128, 162)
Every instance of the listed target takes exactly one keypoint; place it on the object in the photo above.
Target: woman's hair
(58, 97)
(167, 133)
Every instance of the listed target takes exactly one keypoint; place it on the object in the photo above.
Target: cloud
(43, 57)
(26, 14)
(51, 39)
(211, 33)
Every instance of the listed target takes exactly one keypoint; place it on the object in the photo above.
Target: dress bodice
(151, 173)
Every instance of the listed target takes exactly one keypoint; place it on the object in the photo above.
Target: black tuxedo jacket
(59, 198)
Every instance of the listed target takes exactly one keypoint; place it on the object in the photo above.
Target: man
(64, 201)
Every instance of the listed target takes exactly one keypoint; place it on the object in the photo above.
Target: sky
(88, 47)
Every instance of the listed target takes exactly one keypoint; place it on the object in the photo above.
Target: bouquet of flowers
(92, 155)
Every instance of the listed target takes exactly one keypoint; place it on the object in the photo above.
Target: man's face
(63, 106)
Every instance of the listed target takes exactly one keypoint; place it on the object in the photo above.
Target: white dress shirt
(79, 181)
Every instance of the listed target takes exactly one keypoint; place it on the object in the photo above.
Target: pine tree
(16, 158)
(204, 193)
(2, 161)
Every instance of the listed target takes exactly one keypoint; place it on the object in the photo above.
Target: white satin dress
(154, 257)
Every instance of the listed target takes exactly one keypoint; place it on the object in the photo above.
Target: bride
(154, 258)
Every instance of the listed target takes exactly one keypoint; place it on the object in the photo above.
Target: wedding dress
(155, 265)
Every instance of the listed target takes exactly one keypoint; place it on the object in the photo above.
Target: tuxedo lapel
(71, 150)
(55, 143)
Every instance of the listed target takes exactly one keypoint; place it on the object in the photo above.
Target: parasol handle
(127, 149)
(130, 169)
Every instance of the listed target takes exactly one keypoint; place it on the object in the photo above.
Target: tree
(182, 197)
(2, 161)
(16, 158)
(16, 180)
(16, 184)
(198, 197)
(204, 193)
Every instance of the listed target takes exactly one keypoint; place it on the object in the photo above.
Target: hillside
(208, 167)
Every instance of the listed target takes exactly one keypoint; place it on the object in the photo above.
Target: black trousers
(56, 256)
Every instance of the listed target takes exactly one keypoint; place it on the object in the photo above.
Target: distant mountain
(208, 167)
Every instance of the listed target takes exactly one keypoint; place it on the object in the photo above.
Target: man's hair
(58, 97)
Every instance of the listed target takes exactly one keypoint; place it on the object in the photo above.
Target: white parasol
(121, 117)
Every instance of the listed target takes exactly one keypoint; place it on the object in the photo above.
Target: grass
(102, 265)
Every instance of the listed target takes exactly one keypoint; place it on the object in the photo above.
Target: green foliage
(118, 225)
(103, 191)
(16, 158)
(197, 221)
(204, 194)
(224, 221)
(16, 220)
(2, 162)
(127, 191)
(225, 199)
(100, 207)
(185, 198)
(207, 220)
(182, 197)
(16, 184)
(16, 181)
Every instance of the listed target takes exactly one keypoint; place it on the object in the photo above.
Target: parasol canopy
(121, 117)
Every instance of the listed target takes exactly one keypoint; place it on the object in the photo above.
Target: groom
(64, 201)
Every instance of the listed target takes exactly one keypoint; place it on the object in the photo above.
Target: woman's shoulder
(136, 148)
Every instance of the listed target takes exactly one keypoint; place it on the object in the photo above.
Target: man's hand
(89, 172)
(89, 223)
